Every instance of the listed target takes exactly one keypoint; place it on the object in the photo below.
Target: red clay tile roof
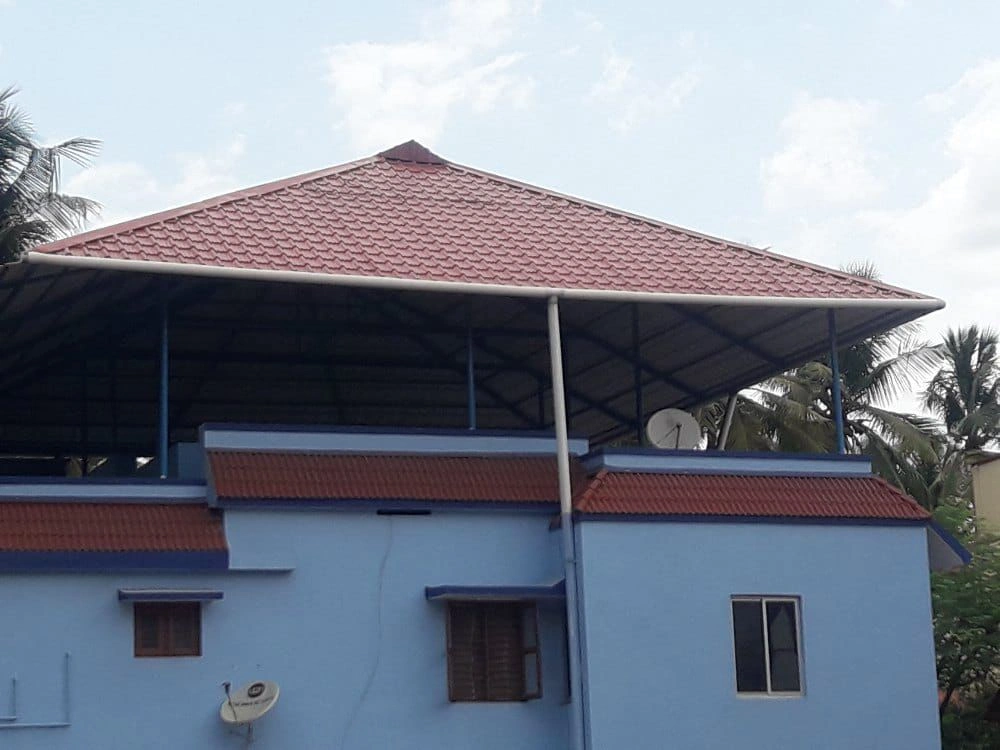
(408, 214)
(109, 527)
(313, 476)
(753, 496)
(251, 475)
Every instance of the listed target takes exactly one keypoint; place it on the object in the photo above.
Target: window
(168, 629)
(766, 634)
(493, 652)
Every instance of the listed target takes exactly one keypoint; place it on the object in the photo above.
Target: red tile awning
(249, 475)
(109, 527)
(273, 476)
(818, 497)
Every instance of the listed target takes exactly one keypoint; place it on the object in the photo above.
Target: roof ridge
(857, 280)
(413, 152)
(692, 495)
(590, 488)
(160, 217)
(900, 494)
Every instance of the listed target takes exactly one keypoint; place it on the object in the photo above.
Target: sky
(837, 132)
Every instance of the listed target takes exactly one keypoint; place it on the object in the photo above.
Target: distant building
(377, 434)
(985, 470)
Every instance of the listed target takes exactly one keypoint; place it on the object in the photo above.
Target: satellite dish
(249, 703)
(673, 429)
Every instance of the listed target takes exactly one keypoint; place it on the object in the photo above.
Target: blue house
(385, 435)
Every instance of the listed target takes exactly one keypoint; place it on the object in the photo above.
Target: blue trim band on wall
(364, 440)
(377, 430)
(635, 450)
(714, 462)
(443, 506)
(42, 562)
(777, 520)
(496, 593)
(168, 595)
(956, 546)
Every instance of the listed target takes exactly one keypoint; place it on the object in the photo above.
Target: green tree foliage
(32, 208)
(965, 393)
(793, 412)
(967, 633)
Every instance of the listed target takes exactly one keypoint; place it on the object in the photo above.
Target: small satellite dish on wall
(249, 703)
(673, 429)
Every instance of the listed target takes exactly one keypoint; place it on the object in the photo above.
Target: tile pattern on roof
(239, 475)
(750, 496)
(109, 527)
(435, 221)
(316, 476)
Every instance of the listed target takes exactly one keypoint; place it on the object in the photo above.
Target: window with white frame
(767, 645)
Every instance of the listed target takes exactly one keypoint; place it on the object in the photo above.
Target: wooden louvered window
(493, 652)
(167, 629)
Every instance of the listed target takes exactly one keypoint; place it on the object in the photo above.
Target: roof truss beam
(532, 371)
(445, 358)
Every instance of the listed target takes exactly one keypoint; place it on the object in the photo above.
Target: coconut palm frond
(32, 208)
(910, 434)
(896, 376)
(965, 393)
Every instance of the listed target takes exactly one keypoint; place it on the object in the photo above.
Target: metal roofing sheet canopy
(407, 214)
(379, 241)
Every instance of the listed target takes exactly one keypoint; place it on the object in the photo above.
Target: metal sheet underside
(79, 366)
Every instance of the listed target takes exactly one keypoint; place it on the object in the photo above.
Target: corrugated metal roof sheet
(750, 496)
(315, 476)
(109, 527)
(408, 214)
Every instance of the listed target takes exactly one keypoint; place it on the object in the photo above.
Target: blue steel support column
(470, 376)
(835, 395)
(637, 375)
(163, 427)
(577, 732)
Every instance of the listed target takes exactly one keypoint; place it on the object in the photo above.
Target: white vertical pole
(727, 422)
(577, 733)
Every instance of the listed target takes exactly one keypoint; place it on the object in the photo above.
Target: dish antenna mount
(673, 429)
(248, 704)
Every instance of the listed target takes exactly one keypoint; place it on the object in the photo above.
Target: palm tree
(965, 393)
(793, 412)
(32, 208)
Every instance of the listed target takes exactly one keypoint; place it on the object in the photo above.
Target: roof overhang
(79, 369)
(945, 553)
(494, 593)
(920, 305)
(169, 595)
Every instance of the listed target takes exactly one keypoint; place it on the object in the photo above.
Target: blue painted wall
(358, 651)
(331, 605)
(659, 642)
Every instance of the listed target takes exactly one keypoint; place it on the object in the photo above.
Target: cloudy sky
(834, 131)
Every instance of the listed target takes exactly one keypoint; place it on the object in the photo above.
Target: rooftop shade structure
(370, 292)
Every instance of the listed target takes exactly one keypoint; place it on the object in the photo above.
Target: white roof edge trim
(459, 287)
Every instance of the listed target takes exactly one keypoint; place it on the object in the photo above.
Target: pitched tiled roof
(408, 214)
(109, 527)
(752, 496)
(313, 476)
